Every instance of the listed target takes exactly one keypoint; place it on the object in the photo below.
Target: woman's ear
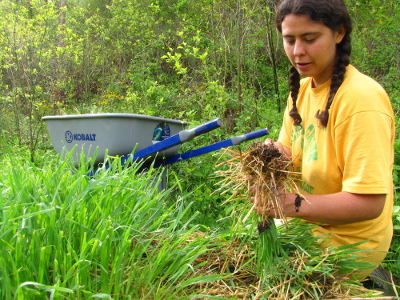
(340, 33)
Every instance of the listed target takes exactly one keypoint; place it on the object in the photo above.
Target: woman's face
(310, 46)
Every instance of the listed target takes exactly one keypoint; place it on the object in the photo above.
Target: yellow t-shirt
(354, 153)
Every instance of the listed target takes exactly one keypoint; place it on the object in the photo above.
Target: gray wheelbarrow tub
(112, 133)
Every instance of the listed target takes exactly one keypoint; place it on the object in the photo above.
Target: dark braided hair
(334, 15)
(294, 81)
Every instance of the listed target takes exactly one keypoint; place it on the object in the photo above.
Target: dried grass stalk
(301, 281)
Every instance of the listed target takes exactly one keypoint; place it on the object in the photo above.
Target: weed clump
(266, 172)
(261, 174)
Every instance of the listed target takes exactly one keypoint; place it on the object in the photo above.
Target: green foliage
(163, 58)
(27, 41)
(394, 254)
(375, 46)
(396, 171)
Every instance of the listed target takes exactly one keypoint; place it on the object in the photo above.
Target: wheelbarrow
(112, 134)
(156, 140)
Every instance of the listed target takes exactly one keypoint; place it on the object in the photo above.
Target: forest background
(182, 59)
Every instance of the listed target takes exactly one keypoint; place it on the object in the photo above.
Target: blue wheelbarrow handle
(216, 146)
(182, 136)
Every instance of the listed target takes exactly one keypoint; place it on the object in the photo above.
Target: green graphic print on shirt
(310, 146)
(305, 147)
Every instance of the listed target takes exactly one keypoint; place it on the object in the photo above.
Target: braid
(294, 81)
(342, 61)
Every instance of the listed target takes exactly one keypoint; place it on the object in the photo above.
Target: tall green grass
(64, 234)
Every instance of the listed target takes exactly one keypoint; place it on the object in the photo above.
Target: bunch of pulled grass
(263, 173)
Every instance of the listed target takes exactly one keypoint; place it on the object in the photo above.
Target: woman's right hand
(282, 149)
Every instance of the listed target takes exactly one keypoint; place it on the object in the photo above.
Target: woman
(338, 129)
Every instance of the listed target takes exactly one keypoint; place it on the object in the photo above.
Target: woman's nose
(298, 48)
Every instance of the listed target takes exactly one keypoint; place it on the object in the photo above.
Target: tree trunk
(63, 4)
(61, 23)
